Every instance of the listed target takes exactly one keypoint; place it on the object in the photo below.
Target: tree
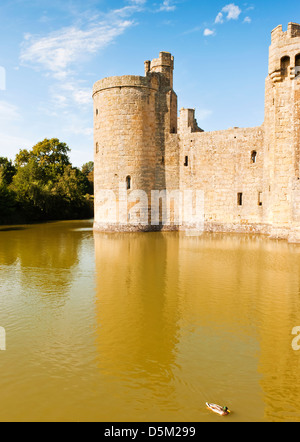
(32, 191)
(44, 185)
(88, 170)
(8, 205)
(7, 171)
(50, 155)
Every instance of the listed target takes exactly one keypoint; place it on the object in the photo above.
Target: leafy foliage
(7, 171)
(42, 185)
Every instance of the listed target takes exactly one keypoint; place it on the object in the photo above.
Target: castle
(250, 178)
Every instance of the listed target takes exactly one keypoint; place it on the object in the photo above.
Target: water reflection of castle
(174, 313)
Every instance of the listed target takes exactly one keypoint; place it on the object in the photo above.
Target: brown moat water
(147, 327)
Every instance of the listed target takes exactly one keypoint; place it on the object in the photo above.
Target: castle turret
(282, 131)
(134, 119)
(164, 65)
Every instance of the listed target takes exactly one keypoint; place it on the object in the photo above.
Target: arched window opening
(297, 65)
(253, 157)
(186, 161)
(285, 65)
(128, 182)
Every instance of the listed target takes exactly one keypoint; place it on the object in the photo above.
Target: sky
(51, 54)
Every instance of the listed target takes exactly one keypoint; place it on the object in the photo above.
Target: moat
(147, 327)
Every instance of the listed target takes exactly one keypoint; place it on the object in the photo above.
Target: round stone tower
(133, 116)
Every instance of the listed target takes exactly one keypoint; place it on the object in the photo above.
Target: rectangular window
(186, 162)
(240, 199)
(260, 198)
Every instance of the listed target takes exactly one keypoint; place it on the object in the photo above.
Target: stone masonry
(250, 178)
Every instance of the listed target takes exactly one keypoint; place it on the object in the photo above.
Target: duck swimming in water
(222, 411)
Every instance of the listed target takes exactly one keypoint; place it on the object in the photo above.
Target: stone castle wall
(250, 177)
(220, 163)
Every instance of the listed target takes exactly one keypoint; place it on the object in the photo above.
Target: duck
(222, 411)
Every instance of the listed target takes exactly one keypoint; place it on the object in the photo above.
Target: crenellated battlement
(278, 34)
(293, 30)
(284, 59)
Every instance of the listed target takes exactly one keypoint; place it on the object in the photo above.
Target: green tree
(88, 170)
(72, 188)
(8, 205)
(32, 191)
(7, 171)
(50, 155)
(44, 185)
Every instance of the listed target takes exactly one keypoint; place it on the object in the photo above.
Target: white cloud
(167, 6)
(60, 50)
(65, 94)
(219, 18)
(247, 20)
(231, 11)
(208, 32)
(137, 2)
(59, 53)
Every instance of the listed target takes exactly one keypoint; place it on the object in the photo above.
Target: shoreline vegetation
(42, 185)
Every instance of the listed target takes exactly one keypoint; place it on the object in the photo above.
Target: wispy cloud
(60, 50)
(167, 6)
(193, 30)
(137, 2)
(9, 111)
(65, 93)
(59, 53)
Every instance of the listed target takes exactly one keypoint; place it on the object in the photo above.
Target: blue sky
(52, 53)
